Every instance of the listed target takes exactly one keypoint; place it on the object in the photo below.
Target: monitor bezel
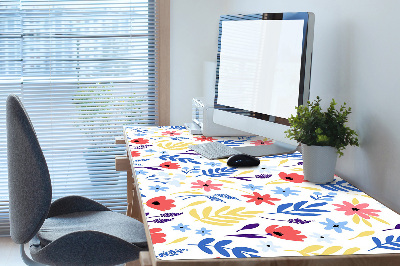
(305, 69)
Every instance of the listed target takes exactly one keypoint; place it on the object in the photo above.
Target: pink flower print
(207, 186)
(359, 209)
(261, 142)
(170, 133)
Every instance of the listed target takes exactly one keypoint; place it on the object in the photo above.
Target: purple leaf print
(396, 227)
(249, 226)
(249, 236)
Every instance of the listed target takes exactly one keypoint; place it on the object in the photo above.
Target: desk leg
(144, 260)
(132, 198)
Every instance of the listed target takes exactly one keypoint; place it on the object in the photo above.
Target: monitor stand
(276, 148)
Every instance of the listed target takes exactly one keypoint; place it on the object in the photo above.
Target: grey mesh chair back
(28, 176)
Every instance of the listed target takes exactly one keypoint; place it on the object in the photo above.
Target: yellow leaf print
(331, 250)
(178, 240)
(245, 172)
(174, 146)
(351, 251)
(380, 220)
(195, 203)
(311, 188)
(362, 234)
(223, 216)
(366, 222)
(297, 169)
(283, 161)
(356, 219)
(355, 201)
(309, 249)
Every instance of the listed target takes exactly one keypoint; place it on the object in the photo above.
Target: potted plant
(323, 135)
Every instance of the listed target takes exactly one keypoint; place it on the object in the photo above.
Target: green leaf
(312, 126)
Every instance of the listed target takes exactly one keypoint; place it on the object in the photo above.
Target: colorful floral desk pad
(198, 208)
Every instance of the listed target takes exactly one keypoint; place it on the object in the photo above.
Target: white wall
(356, 60)
(194, 41)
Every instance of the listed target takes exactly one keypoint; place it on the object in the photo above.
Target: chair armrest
(72, 204)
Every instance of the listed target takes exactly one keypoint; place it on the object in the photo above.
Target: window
(83, 69)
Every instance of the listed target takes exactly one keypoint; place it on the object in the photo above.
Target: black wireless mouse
(241, 160)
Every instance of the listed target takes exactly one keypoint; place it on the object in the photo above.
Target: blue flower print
(212, 164)
(252, 187)
(163, 174)
(196, 169)
(141, 172)
(268, 169)
(268, 246)
(180, 176)
(327, 197)
(181, 227)
(330, 224)
(150, 151)
(163, 152)
(323, 238)
(187, 170)
(175, 180)
(286, 191)
(157, 188)
(203, 231)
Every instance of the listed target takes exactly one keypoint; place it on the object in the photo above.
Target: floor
(9, 253)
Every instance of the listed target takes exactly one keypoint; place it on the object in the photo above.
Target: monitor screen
(260, 63)
(263, 71)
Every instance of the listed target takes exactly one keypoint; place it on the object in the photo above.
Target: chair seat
(108, 222)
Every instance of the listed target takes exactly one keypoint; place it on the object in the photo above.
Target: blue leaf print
(301, 210)
(298, 205)
(283, 207)
(231, 142)
(219, 172)
(219, 247)
(172, 252)
(389, 239)
(389, 244)
(241, 252)
(216, 197)
(188, 160)
(340, 186)
(167, 157)
(203, 243)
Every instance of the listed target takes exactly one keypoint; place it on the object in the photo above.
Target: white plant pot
(319, 163)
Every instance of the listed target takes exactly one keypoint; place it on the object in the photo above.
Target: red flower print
(261, 142)
(157, 236)
(206, 185)
(140, 141)
(170, 165)
(258, 198)
(285, 232)
(359, 209)
(170, 133)
(203, 138)
(161, 203)
(295, 178)
(135, 153)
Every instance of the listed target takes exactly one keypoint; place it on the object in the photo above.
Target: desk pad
(199, 209)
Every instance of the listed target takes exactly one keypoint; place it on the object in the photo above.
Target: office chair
(70, 231)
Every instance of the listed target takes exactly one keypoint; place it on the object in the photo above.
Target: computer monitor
(263, 73)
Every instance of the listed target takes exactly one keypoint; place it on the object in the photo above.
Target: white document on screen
(260, 63)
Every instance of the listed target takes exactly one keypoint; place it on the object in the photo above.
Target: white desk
(199, 211)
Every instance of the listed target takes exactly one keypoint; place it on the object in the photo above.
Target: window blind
(83, 69)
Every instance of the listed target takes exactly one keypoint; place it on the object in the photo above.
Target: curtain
(83, 70)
